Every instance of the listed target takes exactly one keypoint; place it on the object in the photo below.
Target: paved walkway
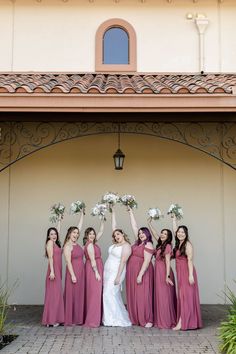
(34, 338)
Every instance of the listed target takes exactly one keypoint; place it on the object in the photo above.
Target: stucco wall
(54, 35)
(157, 172)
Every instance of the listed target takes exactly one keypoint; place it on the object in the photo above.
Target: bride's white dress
(114, 311)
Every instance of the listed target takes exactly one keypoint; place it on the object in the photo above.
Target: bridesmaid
(74, 280)
(164, 282)
(188, 306)
(93, 277)
(53, 313)
(139, 277)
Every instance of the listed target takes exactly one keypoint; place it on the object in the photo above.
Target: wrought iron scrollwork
(20, 139)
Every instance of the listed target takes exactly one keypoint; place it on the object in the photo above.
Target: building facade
(172, 97)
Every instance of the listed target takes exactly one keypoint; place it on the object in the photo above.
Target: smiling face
(181, 235)
(91, 236)
(163, 236)
(118, 236)
(74, 235)
(142, 236)
(52, 235)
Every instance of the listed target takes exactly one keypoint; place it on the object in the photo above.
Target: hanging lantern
(119, 156)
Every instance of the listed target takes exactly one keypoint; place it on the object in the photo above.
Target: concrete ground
(34, 338)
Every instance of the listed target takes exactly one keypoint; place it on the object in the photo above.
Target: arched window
(115, 46)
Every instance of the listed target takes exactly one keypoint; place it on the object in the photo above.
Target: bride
(114, 311)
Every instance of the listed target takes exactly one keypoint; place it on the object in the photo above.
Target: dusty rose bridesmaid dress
(74, 292)
(188, 306)
(93, 289)
(139, 296)
(53, 304)
(164, 294)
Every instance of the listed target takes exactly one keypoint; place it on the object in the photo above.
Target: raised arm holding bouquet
(164, 282)
(139, 279)
(114, 311)
(75, 273)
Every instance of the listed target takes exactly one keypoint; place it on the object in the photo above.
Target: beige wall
(158, 172)
(54, 35)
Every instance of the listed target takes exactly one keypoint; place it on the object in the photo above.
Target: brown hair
(69, 231)
(86, 233)
(122, 232)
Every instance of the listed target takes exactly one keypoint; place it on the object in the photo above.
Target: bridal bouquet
(155, 213)
(100, 210)
(77, 207)
(111, 199)
(57, 211)
(128, 200)
(176, 210)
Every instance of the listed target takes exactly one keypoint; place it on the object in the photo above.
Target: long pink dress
(53, 304)
(74, 292)
(139, 296)
(164, 294)
(93, 289)
(188, 296)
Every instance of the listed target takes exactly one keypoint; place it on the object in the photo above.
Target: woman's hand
(149, 220)
(191, 280)
(97, 276)
(139, 279)
(117, 281)
(52, 276)
(73, 279)
(169, 281)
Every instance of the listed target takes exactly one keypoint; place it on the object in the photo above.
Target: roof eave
(117, 103)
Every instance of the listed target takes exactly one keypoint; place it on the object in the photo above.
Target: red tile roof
(99, 83)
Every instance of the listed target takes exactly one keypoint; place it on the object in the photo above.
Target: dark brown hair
(58, 243)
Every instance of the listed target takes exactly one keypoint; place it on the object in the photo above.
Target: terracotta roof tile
(102, 83)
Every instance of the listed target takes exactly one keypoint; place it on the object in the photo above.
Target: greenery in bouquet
(57, 211)
(129, 200)
(176, 210)
(77, 207)
(99, 210)
(111, 199)
(155, 213)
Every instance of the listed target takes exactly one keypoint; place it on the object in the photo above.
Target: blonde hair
(122, 232)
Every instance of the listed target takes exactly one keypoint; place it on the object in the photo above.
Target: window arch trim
(127, 27)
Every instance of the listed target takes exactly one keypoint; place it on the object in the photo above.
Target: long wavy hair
(182, 248)
(148, 234)
(69, 231)
(86, 233)
(122, 232)
(58, 243)
(162, 245)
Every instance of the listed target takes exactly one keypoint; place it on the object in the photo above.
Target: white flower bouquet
(128, 200)
(111, 199)
(100, 210)
(77, 207)
(57, 211)
(155, 213)
(176, 210)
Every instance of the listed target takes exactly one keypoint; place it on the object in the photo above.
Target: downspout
(201, 22)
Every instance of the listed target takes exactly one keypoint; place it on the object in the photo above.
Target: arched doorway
(157, 171)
